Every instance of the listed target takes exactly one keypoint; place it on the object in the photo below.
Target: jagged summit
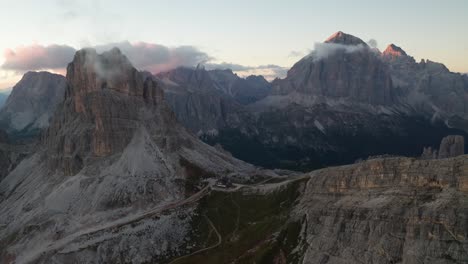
(103, 104)
(393, 50)
(91, 71)
(345, 39)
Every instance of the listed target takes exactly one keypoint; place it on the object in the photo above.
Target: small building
(224, 182)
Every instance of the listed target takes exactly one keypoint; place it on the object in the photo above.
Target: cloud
(325, 50)
(372, 43)
(150, 57)
(296, 53)
(158, 58)
(37, 57)
(144, 56)
(226, 66)
(270, 71)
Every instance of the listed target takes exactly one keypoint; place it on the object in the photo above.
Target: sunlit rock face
(394, 51)
(345, 39)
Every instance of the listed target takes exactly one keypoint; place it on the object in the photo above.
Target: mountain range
(342, 102)
(108, 164)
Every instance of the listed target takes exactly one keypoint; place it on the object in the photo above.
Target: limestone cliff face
(342, 67)
(396, 210)
(104, 103)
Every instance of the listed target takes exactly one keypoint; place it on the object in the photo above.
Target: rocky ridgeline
(395, 210)
(451, 146)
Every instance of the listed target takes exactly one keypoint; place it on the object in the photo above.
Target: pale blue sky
(243, 32)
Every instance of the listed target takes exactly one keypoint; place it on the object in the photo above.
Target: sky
(250, 36)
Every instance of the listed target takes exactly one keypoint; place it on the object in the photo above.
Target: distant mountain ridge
(31, 103)
(208, 101)
(343, 101)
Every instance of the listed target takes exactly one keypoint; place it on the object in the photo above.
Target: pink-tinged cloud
(37, 57)
(144, 56)
(151, 57)
(158, 58)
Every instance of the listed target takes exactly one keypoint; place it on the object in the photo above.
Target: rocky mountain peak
(32, 102)
(106, 101)
(394, 51)
(327, 73)
(258, 78)
(345, 39)
(91, 72)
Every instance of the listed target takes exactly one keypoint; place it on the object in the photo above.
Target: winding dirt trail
(56, 246)
(220, 240)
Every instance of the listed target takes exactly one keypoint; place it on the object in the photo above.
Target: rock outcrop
(452, 146)
(429, 153)
(32, 103)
